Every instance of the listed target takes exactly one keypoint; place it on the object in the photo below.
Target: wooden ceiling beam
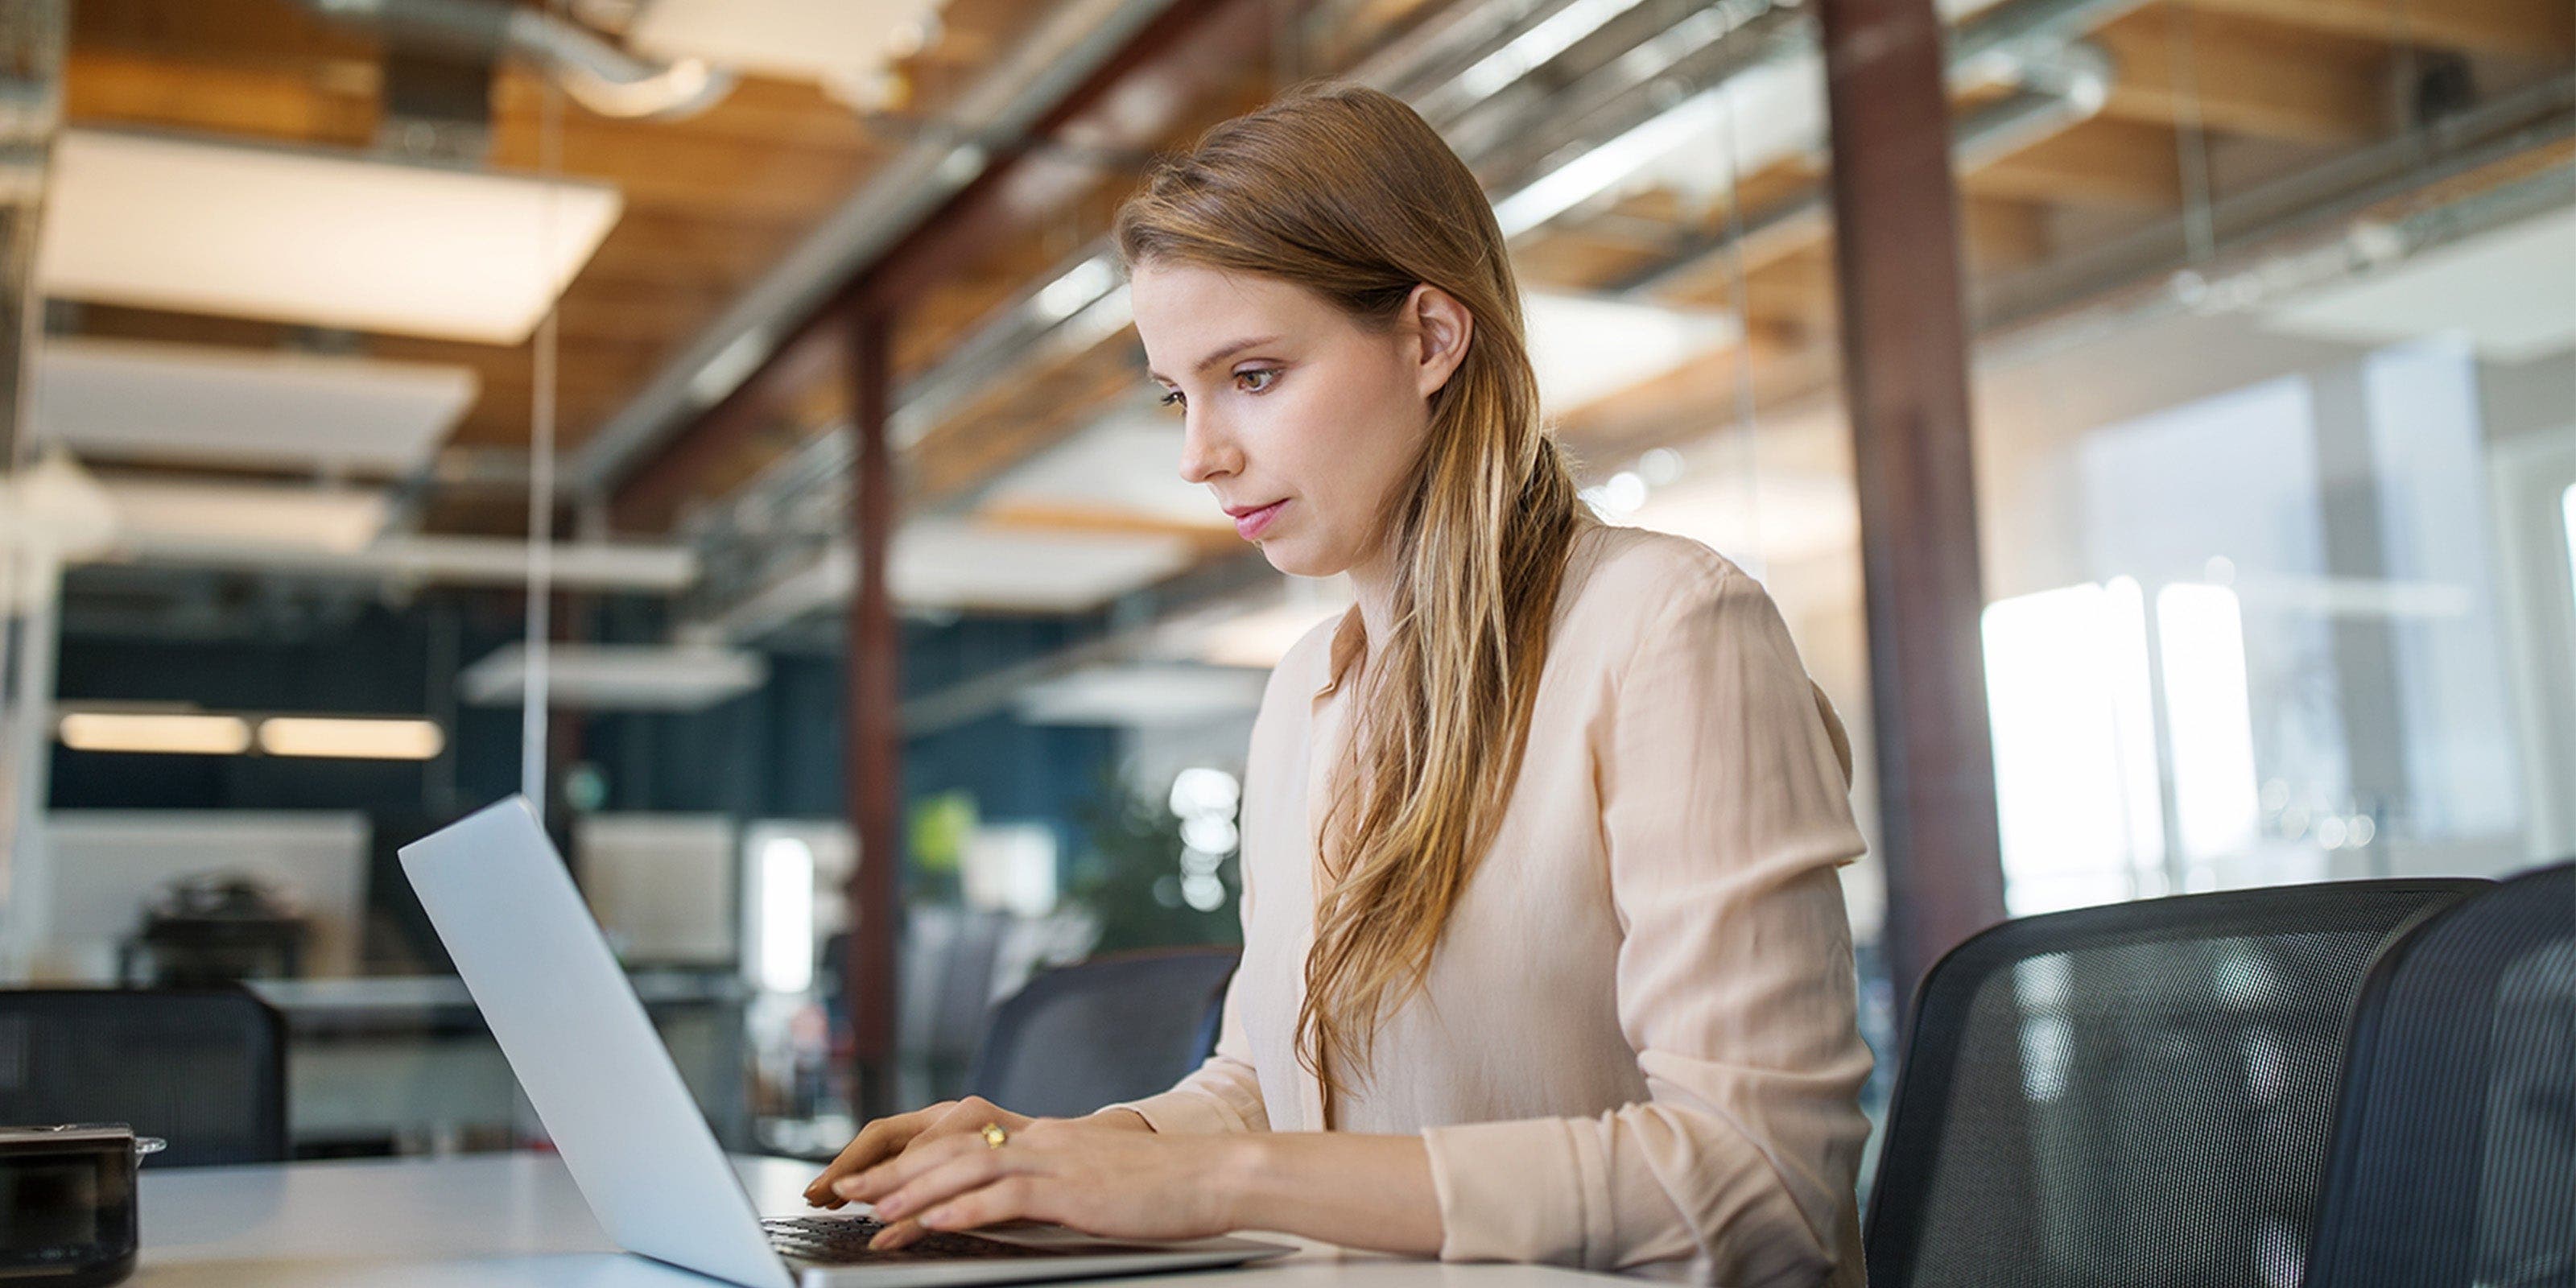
(2246, 76)
(2537, 30)
(2101, 162)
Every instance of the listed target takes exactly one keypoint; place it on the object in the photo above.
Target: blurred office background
(2271, 308)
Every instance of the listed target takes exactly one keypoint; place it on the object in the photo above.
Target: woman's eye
(1170, 398)
(1261, 378)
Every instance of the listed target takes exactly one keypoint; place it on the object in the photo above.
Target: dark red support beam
(873, 756)
(1905, 379)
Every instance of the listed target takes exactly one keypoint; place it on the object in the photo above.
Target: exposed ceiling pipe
(2029, 46)
(2059, 86)
(1072, 41)
(602, 77)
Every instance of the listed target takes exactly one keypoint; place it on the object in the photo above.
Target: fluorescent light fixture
(1143, 696)
(351, 738)
(785, 931)
(1126, 464)
(1586, 348)
(154, 516)
(324, 238)
(941, 563)
(1760, 115)
(1532, 49)
(2491, 288)
(2210, 720)
(120, 399)
(732, 364)
(1079, 287)
(809, 40)
(618, 677)
(157, 732)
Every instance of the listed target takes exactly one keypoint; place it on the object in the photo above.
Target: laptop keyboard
(843, 1240)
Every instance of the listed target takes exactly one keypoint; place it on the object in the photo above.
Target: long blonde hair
(1345, 191)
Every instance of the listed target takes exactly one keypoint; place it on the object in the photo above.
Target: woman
(1539, 906)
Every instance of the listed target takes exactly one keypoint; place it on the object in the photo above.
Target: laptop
(625, 1124)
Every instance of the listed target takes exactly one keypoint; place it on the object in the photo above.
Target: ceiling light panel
(796, 39)
(159, 516)
(322, 238)
(122, 400)
(618, 677)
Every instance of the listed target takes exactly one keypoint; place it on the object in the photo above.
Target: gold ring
(994, 1136)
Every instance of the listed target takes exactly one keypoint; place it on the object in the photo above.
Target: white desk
(516, 1221)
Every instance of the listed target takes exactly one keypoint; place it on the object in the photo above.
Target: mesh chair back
(1114, 1029)
(2454, 1159)
(202, 1069)
(2136, 1094)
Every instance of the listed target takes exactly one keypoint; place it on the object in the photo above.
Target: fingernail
(890, 1208)
(935, 1218)
(847, 1187)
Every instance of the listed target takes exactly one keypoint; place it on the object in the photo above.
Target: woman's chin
(1295, 560)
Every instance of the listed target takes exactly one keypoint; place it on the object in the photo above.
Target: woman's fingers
(938, 1190)
(890, 1185)
(1007, 1198)
(874, 1143)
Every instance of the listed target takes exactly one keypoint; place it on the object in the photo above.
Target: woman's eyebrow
(1219, 356)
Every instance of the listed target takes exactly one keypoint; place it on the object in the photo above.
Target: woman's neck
(1373, 585)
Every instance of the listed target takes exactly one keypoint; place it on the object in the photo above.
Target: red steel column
(1905, 379)
(874, 729)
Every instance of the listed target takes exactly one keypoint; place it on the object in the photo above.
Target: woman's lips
(1249, 526)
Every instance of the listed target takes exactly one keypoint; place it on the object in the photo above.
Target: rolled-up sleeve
(1725, 809)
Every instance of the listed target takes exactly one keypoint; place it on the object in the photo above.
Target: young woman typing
(1545, 958)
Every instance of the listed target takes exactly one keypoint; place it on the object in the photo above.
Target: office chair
(2131, 1095)
(2454, 1154)
(204, 1069)
(1111, 1029)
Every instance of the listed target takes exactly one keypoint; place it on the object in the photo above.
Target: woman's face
(1303, 424)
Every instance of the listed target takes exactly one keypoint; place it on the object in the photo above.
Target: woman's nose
(1206, 453)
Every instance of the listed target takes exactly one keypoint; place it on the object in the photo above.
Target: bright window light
(2216, 796)
(169, 733)
(348, 738)
(2133, 725)
(2058, 678)
(785, 934)
(2567, 507)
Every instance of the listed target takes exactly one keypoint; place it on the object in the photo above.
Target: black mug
(67, 1211)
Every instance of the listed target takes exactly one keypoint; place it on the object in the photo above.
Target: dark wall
(772, 753)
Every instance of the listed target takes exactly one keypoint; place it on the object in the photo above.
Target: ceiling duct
(604, 78)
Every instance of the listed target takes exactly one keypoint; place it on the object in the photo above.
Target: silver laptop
(625, 1124)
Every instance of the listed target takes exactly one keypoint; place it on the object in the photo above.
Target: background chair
(1079, 1037)
(2454, 1155)
(2138, 1094)
(203, 1069)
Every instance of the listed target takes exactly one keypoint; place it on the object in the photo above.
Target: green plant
(1130, 875)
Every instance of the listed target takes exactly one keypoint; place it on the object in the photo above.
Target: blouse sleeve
(1725, 810)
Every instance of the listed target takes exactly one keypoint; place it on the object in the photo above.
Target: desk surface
(516, 1221)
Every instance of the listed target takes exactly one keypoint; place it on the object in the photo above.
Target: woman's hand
(1097, 1177)
(887, 1137)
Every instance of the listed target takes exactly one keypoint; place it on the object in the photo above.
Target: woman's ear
(1443, 326)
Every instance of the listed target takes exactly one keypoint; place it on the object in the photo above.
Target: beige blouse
(1636, 1046)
